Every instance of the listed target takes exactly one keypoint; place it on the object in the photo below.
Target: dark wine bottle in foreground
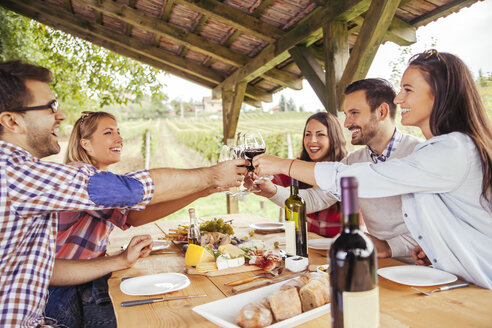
(295, 210)
(193, 229)
(353, 278)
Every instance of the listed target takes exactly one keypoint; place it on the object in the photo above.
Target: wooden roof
(261, 46)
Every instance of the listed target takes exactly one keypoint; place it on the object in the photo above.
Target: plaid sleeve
(37, 187)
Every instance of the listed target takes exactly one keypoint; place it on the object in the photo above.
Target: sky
(466, 34)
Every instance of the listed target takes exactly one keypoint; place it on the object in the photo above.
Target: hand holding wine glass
(267, 164)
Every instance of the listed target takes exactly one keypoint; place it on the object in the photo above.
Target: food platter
(214, 311)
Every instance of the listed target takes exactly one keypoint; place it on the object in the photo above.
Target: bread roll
(254, 315)
(296, 283)
(314, 294)
(285, 304)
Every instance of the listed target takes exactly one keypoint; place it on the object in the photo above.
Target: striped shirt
(31, 192)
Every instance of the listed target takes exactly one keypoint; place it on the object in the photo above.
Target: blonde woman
(79, 293)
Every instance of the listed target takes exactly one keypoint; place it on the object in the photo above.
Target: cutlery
(159, 253)
(158, 299)
(446, 287)
(261, 283)
(245, 280)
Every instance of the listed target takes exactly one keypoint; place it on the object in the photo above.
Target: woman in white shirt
(445, 183)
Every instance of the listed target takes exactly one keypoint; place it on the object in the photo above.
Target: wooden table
(400, 305)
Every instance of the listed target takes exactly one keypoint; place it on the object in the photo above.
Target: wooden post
(231, 108)
(336, 53)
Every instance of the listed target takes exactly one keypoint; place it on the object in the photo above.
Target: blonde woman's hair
(84, 128)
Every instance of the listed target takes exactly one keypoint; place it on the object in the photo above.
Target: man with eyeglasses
(32, 191)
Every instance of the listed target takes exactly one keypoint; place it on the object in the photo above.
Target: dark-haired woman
(323, 140)
(445, 183)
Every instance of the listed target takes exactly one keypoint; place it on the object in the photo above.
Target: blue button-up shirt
(440, 184)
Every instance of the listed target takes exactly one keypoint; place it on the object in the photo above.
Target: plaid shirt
(392, 146)
(325, 223)
(31, 192)
(83, 235)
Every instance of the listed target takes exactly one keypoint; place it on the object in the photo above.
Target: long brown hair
(84, 128)
(336, 150)
(457, 106)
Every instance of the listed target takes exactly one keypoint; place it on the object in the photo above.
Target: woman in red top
(323, 141)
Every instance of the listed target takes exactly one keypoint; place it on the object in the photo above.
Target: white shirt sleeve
(429, 170)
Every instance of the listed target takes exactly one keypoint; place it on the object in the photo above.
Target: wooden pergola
(246, 50)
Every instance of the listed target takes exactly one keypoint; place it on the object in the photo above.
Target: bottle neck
(192, 218)
(294, 190)
(350, 205)
(294, 187)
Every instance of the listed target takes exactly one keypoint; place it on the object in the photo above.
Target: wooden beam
(200, 25)
(336, 53)
(169, 31)
(285, 79)
(258, 94)
(401, 33)
(398, 32)
(235, 18)
(278, 52)
(167, 10)
(252, 102)
(68, 4)
(440, 11)
(233, 110)
(233, 38)
(261, 8)
(312, 71)
(47, 11)
(108, 44)
(375, 26)
(128, 27)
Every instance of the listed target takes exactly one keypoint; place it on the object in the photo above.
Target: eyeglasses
(52, 105)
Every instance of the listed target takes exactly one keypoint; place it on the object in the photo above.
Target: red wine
(353, 263)
(295, 210)
(250, 153)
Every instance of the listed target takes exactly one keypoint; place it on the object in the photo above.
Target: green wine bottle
(295, 210)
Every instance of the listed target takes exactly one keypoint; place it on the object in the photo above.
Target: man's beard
(368, 132)
(41, 141)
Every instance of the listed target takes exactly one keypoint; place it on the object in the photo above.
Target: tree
(291, 105)
(83, 73)
(282, 104)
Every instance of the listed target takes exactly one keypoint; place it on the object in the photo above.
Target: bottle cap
(350, 200)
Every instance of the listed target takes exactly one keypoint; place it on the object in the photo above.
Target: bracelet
(290, 166)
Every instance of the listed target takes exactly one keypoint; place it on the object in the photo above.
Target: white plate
(214, 311)
(268, 226)
(322, 244)
(416, 275)
(154, 284)
(158, 245)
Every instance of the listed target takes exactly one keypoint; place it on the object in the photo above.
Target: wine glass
(226, 153)
(254, 144)
(230, 153)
